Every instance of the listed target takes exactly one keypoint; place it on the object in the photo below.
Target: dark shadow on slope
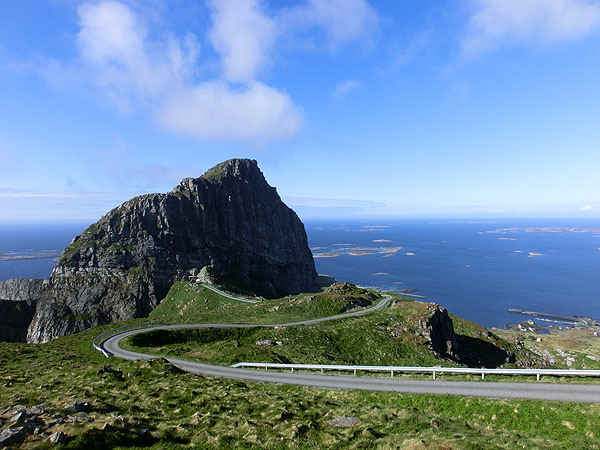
(475, 352)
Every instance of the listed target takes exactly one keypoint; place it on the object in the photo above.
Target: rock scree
(229, 221)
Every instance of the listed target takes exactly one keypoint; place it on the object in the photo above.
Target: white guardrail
(433, 370)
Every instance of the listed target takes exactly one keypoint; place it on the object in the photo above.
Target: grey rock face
(20, 289)
(121, 267)
(344, 422)
(17, 307)
(12, 436)
(439, 330)
(58, 438)
(15, 317)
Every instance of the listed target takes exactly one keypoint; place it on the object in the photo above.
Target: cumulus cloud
(587, 208)
(214, 111)
(133, 70)
(123, 62)
(340, 21)
(343, 88)
(135, 65)
(244, 36)
(541, 22)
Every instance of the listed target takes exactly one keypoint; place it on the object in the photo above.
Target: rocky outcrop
(438, 330)
(17, 307)
(15, 318)
(229, 221)
(431, 325)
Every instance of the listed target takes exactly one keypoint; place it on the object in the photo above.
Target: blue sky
(353, 108)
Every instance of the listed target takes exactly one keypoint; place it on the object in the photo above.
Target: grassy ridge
(193, 303)
(387, 337)
(348, 341)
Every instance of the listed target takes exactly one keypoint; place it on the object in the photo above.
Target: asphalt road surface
(545, 391)
(229, 296)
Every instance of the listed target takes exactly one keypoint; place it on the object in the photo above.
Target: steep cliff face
(20, 289)
(121, 267)
(15, 317)
(17, 307)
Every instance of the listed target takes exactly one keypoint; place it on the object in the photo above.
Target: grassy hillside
(396, 335)
(153, 405)
(562, 348)
(193, 303)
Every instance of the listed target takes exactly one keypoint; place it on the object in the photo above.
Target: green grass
(182, 410)
(387, 337)
(347, 341)
(214, 174)
(193, 303)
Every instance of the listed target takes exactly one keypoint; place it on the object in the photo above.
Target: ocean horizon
(476, 268)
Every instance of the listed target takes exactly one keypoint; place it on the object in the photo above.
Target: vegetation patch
(565, 349)
(214, 174)
(193, 303)
(398, 335)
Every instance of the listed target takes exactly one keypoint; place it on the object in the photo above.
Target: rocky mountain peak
(121, 267)
(242, 169)
(229, 177)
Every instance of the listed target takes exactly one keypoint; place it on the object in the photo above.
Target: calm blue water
(476, 275)
(473, 273)
(28, 239)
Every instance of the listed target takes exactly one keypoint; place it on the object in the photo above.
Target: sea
(477, 269)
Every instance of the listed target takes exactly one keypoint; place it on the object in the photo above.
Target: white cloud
(123, 62)
(133, 70)
(343, 88)
(19, 206)
(30, 194)
(243, 35)
(341, 21)
(128, 59)
(540, 22)
(587, 208)
(214, 111)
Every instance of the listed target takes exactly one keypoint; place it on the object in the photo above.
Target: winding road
(229, 296)
(544, 391)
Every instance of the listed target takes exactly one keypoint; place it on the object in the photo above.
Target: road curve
(229, 296)
(554, 392)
